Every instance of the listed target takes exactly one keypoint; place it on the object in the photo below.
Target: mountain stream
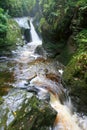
(25, 66)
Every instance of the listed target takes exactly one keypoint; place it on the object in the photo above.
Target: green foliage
(76, 70)
(3, 26)
(43, 22)
(81, 65)
(13, 36)
(81, 2)
(81, 40)
(3, 21)
(18, 7)
(3, 29)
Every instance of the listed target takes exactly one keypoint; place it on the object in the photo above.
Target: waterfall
(34, 36)
(22, 22)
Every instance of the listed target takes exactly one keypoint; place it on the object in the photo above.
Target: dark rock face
(83, 13)
(25, 30)
(75, 74)
(55, 39)
(40, 50)
(27, 35)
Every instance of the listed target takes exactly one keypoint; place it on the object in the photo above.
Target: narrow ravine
(26, 68)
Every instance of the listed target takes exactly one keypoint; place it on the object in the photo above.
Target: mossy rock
(13, 36)
(35, 115)
(12, 39)
(75, 76)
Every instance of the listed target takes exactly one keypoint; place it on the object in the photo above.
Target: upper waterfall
(23, 22)
(34, 35)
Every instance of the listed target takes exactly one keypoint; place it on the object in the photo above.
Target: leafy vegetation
(13, 36)
(75, 74)
(81, 40)
(3, 26)
(18, 7)
(10, 33)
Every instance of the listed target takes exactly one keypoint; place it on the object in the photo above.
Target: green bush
(18, 8)
(81, 40)
(3, 26)
(3, 21)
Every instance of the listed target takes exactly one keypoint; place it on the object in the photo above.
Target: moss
(13, 36)
(1, 100)
(75, 76)
(65, 55)
(34, 115)
(12, 39)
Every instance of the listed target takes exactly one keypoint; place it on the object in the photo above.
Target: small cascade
(64, 120)
(22, 22)
(34, 36)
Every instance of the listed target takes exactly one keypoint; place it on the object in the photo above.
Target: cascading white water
(34, 36)
(64, 120)
(22, 22)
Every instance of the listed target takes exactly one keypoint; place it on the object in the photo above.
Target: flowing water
(26, 67)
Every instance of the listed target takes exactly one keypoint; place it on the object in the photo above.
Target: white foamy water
(34, 35)
(64, 119)
(22, 22)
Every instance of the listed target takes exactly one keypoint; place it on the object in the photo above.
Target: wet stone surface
(22, 110)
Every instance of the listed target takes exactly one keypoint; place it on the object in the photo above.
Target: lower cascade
(29, 73)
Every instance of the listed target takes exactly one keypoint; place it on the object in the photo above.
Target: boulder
(27, 113)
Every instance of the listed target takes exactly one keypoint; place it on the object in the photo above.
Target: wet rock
(40, 50)
(22, 110)
(53, 77)
(40, 92)
(26, 33)
(34, 115)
